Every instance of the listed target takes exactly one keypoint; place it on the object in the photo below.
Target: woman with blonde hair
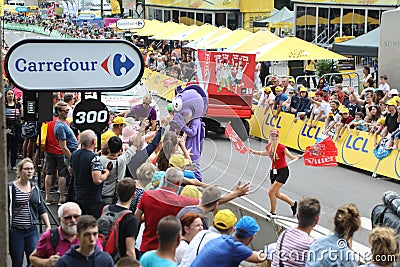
(384, 247)
(347, 221)
(26, 205)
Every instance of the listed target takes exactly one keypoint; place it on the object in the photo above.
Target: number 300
(91, 116)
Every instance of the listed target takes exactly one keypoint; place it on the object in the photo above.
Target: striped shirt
(295, 246)
(22, 220)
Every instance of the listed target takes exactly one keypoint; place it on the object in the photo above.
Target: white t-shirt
(180, 251)
(326, 107)
(195, 246)
(271, 97)
(384, 87)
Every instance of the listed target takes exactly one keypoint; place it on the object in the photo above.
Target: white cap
(394, 92)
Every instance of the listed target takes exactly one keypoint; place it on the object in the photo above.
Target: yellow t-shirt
(310, 65)
(106, 136)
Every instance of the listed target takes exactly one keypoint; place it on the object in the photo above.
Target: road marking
(366, 223)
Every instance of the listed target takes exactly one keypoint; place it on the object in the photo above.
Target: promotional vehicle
(228, 79)
(120, 101)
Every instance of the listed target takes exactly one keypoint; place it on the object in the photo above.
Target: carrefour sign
(126, 24)
(74, 65)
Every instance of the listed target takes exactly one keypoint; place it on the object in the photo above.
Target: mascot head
(190, 103)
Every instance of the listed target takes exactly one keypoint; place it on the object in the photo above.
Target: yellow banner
(353, 150)
(115, 8)
(163, 84)
(2, 8)
(256, 6)
(206, 4)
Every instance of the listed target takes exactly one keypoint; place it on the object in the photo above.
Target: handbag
(28, 129)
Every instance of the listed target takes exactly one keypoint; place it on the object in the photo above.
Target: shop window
(233, 20)
(220, 19)
(199, 18)
(347, 21)
(300, 22)
(323, 25)
(183, 17)
(208, 18)
(310, 23)
(167, 15)
(159, 14)
(175, 15)
(151, 13)
(373, 19)
(190, 20)
(334, 29)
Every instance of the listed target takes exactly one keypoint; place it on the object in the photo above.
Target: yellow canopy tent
(198, 44)
(293, 48)
(171, 31)
(226, 40)
(354, 18)
(149, 27)
(199, 32)
(309, 20)
(255, 40)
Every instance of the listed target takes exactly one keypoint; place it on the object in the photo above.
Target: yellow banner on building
(2, 8)
(115, 8)
(205, 4)
(353, 150)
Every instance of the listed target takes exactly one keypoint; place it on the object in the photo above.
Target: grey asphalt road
(333, 186)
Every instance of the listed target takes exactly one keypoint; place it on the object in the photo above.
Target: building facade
(320, 21)
(232, 14)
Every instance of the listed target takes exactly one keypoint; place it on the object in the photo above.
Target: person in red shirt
(279, 172)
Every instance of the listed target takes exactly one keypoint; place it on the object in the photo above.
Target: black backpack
(108, 225)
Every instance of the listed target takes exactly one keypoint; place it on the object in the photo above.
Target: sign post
(83, 65)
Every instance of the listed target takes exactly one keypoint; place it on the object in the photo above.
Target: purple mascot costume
(190, 104)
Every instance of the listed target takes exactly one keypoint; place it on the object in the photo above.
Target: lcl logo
(117, 64)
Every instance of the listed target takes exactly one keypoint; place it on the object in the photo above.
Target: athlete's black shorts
(281, 176)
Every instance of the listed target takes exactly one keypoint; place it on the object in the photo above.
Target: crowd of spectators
(168, 224)
(339, 107)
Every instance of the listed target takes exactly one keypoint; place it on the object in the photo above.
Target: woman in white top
(192, 223)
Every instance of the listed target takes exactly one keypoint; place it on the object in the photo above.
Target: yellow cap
(303, 89)
(311, 94)
(278, 88)
(191, 191)
(396, 98)
(267, 89)
(292, 80)
(391, 102)
(224, 219)
(119, 120)
(178, 160)
(344, 110)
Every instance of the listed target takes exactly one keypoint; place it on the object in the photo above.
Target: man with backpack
(57, 241)
(117, 225)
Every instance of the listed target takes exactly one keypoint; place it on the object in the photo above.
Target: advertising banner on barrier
(356, 150)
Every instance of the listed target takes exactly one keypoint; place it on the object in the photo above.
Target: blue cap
(157, 180)
(326, 88)
(247, 226)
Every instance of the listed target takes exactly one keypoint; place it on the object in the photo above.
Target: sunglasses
(291, 93)
(72, 216)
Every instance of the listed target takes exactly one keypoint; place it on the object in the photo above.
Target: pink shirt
(45, 249)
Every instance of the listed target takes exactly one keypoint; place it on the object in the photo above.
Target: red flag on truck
(321, 154)
(237, 142)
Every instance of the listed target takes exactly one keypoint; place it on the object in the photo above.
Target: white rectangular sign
(74, 65)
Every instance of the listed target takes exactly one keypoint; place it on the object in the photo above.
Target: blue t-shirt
(280, 98)
(330, 250)
(83, 162)
(150, 259)
(63, 132)
(223, 251)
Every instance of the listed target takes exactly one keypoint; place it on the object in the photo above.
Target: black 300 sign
(91, 114)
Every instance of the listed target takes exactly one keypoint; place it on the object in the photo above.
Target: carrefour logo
(74, 65)
(116, 64)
